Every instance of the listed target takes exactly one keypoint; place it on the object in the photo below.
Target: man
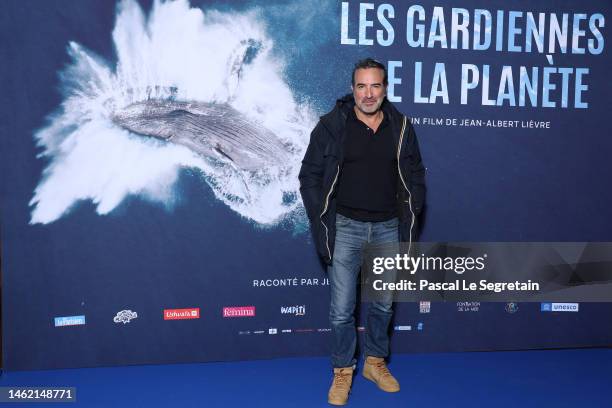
(361, 181)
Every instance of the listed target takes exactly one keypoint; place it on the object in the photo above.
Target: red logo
(181, 314)
(239, 311)
(303, 330)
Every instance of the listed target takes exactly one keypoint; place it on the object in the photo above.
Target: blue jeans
(351, 236)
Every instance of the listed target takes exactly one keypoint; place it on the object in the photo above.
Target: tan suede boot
(376, 370)
(341, 386)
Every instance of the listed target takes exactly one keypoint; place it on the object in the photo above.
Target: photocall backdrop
(123, 245)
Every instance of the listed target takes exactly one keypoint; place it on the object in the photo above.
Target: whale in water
(213, 130)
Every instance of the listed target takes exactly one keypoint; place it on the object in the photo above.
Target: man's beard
(372, 108)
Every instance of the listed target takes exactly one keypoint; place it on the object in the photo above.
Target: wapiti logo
(182, 314)
(239, 311)
(294, 310)
(124, 316)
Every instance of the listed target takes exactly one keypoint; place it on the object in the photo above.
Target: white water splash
(186, 54)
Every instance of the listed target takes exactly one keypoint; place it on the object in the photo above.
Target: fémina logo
(239, 311)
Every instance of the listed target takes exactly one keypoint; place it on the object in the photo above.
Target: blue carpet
(549, 378)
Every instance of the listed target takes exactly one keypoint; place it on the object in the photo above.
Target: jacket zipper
(325, 210)
(399, 149)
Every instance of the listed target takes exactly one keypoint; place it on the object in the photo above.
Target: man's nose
(368, 92)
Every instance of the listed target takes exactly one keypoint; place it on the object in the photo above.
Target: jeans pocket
(392, 223)
(342, 221)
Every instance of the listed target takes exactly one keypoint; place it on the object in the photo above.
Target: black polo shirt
(367, 186)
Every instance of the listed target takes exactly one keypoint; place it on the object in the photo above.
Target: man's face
(369, 91)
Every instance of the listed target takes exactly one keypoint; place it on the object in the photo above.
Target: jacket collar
(335, 121)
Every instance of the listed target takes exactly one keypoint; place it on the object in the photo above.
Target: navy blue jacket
(322, 165)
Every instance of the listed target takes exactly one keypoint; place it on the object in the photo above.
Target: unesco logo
(559, 307)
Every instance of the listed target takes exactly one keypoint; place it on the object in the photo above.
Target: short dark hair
(369, 63)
